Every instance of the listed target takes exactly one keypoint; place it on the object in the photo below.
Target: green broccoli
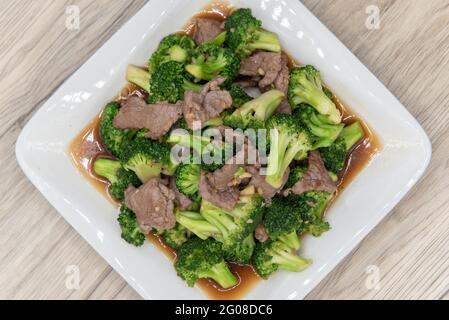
(146, 158)
(312, 206)
(112, 137)
(175, 237)
(287, 139)
(323, 132)
(236, 225)
(306, 87)
(282, 221)
(334, 156)
(119, 178)
(274, 255)
(210, 62)
(239, 96)
(296, 174)
(139, 77)
(195, 223)
(197, 259)
(218, 40)
(245, 34)
(254, 113)
(130, 228)
(188, 179)
(175, 47)
(168, 83)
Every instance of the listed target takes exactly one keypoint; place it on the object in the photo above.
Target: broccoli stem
(177, 54)
(207, 70)
(267, 41)
(107, 168)
(352, 134)
(218, 41)
(291, 240)
(139, 77)
(318, 99)
(281, 155)
(190, 86)
(221, 274)
(263, 106)
(289, 261)
(195, 223)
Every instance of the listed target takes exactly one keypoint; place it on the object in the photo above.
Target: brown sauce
(87, 146)
(248, 278)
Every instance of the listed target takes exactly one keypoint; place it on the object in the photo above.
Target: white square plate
(42, 148)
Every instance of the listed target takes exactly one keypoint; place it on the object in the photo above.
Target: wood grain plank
(409, 54)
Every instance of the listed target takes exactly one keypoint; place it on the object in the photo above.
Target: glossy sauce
(87, 146)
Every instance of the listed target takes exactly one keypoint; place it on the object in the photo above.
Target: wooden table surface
(409, 53)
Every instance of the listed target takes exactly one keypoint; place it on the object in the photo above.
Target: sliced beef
(265, 64)
(206, 30)
(135, 113)
(262, 187)
(284, 107)
(219, 195)
(153, 204)
(316, 178)
(281, 83)
(222, 179)
(181, 200)
(261, 233)
(283, 77)
(207, 104)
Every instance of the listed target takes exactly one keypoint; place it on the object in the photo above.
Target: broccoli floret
(168, 83)
(254, 113)
(287, 139)
(334, 156)
(239, 96)
(146, 158)
(236, 225)
(188, 179)
(311, 206)
(112, 137)
(130, 228)
(175, 237)
(282, 221)
(241, 251)
(119, 178)
(210, 62)
(175, 47)
(323, 132)
(296, 174)
(197, 259)
(245, 34)
(195, 223)
(274, 255)
(139, 77)
(306, 87)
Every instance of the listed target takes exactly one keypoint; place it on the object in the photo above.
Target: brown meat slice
(316, 178)
(281, 83)
(181, 200)
(283, 77)
(206, 30)
(153, 205)
(225, 198)
(261, 233)
(262, 187)
(265, 64)
(135, 113)
(207, 104)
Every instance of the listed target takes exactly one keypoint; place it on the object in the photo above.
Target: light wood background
(409, 54)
